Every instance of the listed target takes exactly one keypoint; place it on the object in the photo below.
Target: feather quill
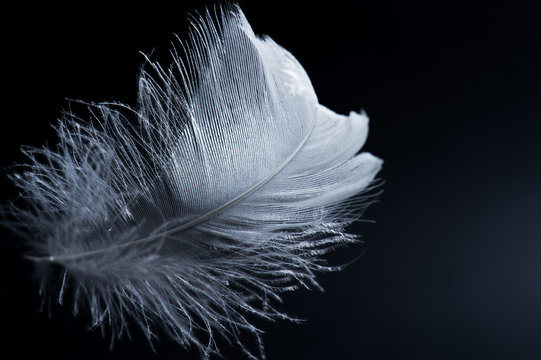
(195, 210)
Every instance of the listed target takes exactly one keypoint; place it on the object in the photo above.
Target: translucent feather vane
(192, 212)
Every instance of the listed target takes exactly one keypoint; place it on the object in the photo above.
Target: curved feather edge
(192, 212)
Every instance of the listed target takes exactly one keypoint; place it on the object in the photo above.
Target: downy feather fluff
(192, 212)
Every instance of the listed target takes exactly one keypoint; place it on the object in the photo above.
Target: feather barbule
(193, 211)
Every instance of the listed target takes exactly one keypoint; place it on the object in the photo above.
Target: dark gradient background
(453, 266)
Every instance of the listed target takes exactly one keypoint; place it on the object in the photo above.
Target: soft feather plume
(193, 211)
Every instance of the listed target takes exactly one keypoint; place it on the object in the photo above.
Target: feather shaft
(180, 228)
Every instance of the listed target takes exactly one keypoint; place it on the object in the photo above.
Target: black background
(453, 268)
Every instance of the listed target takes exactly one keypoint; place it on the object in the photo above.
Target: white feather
(195, 210)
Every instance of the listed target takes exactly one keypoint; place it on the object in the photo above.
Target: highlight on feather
(192, 212)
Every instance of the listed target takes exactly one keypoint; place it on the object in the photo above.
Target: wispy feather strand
(193, 211)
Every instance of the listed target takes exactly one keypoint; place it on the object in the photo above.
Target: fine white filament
(193, 211)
